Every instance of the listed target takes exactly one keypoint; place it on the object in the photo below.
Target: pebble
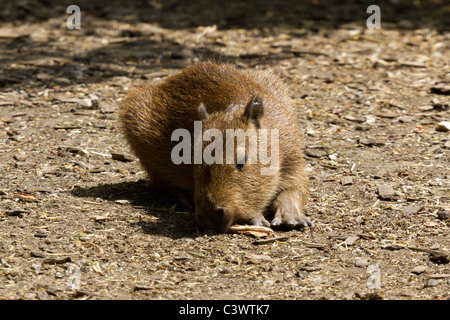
(447, 144)
(419, 269)
(405, 119)
(361, 262)
(37, 254)
(20, 156)
(443, 126)
(37, 268)
(84, 103)
(106, 108)
(41, 234)
(431, 283)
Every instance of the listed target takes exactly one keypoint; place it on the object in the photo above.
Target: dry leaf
(256, 231)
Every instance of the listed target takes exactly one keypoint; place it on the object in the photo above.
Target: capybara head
(240, 168)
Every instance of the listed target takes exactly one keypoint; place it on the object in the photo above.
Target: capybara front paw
(260, 221)
(288, 213)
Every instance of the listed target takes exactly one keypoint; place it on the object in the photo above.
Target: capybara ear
(203, 113)
(254, 111)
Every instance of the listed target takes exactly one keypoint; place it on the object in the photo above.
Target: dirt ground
(78, 219)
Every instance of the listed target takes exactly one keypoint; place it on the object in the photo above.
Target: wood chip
(57, 260)
(413, 209)
(414, 64)
(355, 119)
(346, 180)
(139, 287)
(256, 231)
(16, 213)
(351, 240)
(309, 268)
(386, 192)
(387, 115)
(393, 247)
(367, 141)
(100, 218)
(66, 127)
(122, 157)
(440, 276)
(316, 153)
(258, 258)
(270, 240)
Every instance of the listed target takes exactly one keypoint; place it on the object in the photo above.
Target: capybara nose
(220, 212)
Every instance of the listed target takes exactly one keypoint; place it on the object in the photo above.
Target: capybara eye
(241, 162)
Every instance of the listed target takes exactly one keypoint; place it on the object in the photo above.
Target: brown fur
(222, 194)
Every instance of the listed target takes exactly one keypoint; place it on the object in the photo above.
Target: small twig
(270, 240)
